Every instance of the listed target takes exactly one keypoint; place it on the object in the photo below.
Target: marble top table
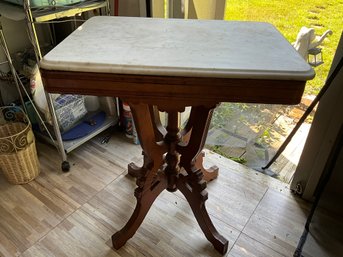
(168, 64)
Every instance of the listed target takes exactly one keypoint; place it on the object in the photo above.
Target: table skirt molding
(182, 91)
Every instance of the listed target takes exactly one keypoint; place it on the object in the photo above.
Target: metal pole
(34, 40)
(32, 30)
(306, 113)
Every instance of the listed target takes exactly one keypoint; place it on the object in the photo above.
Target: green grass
(289, 16)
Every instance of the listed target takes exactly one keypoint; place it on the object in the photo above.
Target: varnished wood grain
(161, 169)
(186, 91)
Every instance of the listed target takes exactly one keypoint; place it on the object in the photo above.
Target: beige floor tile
(76, 213)
(278, 222)
(246, 246)
(169, 228)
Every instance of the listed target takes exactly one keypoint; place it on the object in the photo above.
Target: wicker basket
(18, 155)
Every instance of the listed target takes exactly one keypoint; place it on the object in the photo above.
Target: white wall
(205, 9)
(17, 40)
(16, 37)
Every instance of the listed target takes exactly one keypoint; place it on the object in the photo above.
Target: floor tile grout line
(241, 231)
(106, 186)
(264, 244)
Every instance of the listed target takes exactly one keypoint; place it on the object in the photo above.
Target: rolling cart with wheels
(46, 15)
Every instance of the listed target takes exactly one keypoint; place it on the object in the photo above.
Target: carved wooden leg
(196, 196)
(150, 182)
(209, 174)
(192, 186)
(159, 131)
(145, 198)
(158, 174)
(134, 170)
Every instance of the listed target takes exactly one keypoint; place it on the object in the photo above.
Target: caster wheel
(65, 166)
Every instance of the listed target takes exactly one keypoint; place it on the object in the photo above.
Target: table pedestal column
(209, 174)
(163, 161)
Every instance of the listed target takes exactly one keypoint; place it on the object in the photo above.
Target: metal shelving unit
(42, 15)
(9, 78)
(50, 14)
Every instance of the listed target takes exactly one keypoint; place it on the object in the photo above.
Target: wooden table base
(163, 161)
(208, 174)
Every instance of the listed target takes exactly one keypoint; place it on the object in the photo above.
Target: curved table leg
(161, 170)
(196, 196)
(192, 186)
(150, 182)
(144, 202)
(210, 173)
(159, 133)
(134, 170)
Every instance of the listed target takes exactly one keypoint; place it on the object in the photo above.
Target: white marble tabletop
(176, 47)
